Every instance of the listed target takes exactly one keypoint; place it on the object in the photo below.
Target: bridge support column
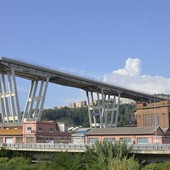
(117, 109)
(9, 97)
(35, 102)
(89, 112)
(104, 111)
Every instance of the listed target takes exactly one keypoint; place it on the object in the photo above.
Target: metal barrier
(46, 147)
(57, 147)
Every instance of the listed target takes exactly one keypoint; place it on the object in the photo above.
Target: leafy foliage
(124, 164)
(158, 166)
(9, 153)
(104, 152)
(72, 117)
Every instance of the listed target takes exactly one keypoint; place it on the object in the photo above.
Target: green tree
(72, 117)
(124, 164)
(18, 163)
(6, 152)
(101, 154)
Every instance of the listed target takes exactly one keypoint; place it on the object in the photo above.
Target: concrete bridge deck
(163, 149)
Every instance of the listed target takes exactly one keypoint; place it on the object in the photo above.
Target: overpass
(144, 152)
(40, 77)
(61, 147)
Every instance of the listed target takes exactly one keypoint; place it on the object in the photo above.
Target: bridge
(40, 77)
(61, 147)
(149, 152)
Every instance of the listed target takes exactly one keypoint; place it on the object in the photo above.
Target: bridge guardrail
(136, 148)
(45, 146)
(151, 147)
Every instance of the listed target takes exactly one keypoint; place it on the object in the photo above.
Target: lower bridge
(151, 153)
(46, 147)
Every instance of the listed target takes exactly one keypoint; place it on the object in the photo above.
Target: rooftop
(10, 131)
(122, 131)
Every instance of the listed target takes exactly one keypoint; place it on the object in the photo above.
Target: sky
(125, 43)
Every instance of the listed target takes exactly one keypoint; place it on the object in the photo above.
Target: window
(93, 140)
(1, 139)
(109, 140)
(30, 140)
(40, 129)
(51, 129)
(29, 129)
(19, 139)
(142, 140)
(126, 140)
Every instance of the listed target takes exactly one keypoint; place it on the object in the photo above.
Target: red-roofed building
(131, 135)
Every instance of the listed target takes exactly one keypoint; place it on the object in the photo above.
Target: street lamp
(155, 122)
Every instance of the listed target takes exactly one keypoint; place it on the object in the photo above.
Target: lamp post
(155, 122)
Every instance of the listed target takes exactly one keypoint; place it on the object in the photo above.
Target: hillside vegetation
(79, 116)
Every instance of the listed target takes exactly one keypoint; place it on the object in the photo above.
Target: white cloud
(130, 77)
(132, 68)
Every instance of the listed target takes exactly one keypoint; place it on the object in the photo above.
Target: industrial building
(131, 135)
(153, 114)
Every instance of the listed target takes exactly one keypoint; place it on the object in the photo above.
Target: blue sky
(93, 38)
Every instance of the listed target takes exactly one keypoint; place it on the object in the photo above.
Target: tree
(102, 153)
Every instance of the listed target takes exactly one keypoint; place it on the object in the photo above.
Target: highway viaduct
(40, 77)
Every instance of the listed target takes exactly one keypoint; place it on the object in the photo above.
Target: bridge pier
(9, 102)
(9, 97)
(35, 100)
(104, 111)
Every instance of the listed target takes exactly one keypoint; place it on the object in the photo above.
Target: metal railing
(46, 147)
(57, 147)
(151, 147)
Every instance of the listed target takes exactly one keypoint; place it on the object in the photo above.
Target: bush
(158, 166)
(123, 164)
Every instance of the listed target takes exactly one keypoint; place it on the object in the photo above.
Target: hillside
(79, 116)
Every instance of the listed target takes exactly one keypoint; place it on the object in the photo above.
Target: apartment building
(78, 104)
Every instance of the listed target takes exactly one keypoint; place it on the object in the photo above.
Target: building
(11, 135)
(153, 114)
(63, 127)
(34, 132)
(131, 135)
(78, 136)
(72, 105)
(78, 104)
